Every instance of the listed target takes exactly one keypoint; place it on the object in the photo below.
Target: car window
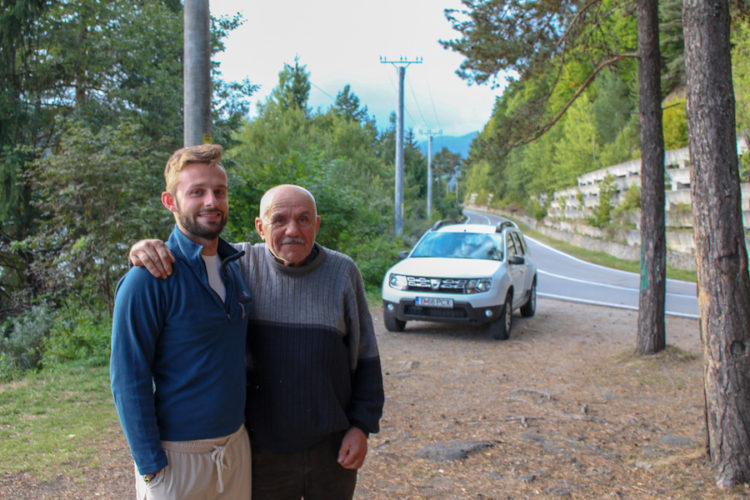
(460, 246)
(523, 242)
(510, 246)
(519, 244)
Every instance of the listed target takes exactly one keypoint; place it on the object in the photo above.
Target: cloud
(341, 42)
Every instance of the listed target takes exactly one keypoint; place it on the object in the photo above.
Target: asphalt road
(562, 276)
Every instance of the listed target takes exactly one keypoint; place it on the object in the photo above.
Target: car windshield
(460, 246)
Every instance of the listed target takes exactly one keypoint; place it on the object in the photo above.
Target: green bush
(536, 209)
(374, 257)
(22, 341)
(681, 208)
(602, 213)
(745, 167)
(79, 334)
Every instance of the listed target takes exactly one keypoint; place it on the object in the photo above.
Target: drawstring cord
(217, 456)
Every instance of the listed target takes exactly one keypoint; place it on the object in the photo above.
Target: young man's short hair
(202, 153)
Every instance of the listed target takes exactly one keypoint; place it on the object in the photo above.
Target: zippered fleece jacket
(314, 367)
(178, 353)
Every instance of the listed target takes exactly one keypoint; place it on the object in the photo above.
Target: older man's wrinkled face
(289, 226)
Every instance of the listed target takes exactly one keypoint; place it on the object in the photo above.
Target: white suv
(465, 273)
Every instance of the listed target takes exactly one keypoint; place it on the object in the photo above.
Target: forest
(601, 126)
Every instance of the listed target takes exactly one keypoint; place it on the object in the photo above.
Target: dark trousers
(312, 474)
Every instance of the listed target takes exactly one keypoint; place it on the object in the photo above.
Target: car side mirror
(516, 260)
(402, 254)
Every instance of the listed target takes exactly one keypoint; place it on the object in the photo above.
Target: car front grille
(446, 285)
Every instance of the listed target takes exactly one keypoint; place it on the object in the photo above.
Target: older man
(314, 380)
(178, 364)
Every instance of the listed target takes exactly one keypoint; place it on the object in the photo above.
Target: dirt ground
(561, 410)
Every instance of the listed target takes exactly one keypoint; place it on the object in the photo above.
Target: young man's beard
(192, 226)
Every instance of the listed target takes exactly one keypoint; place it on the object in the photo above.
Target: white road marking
(610, 304)
(594, 283)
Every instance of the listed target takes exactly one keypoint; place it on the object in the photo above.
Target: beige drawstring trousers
(205, 469)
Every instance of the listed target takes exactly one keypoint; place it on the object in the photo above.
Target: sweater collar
(312, 261)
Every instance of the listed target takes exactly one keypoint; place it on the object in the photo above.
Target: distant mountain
(456, 144)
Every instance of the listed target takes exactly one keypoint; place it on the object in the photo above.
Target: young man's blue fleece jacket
(178, 353)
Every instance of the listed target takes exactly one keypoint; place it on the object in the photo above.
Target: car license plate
(434, 302)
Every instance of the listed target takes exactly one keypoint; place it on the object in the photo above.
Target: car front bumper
(461, 312)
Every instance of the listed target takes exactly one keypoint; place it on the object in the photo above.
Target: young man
(178, 362)
(315, 388)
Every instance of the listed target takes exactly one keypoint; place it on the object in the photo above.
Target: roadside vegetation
(600, 128)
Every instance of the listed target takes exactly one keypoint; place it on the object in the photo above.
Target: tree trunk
(720, 252)
(651, 330)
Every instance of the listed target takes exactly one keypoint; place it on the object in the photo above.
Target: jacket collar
(190, 250)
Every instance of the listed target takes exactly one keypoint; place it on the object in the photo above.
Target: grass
(49, 420)
(657, 369)
(671, 354)
(603, 258)
(374, 297)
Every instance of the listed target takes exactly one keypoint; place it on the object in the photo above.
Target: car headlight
(479, 285)
(398, 281)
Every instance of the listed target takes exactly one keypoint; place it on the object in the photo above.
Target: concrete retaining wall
(623, 244)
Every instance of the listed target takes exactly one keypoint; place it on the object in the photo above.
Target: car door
(526, 267)
(514, 251)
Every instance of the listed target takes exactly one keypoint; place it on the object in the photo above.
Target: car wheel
(529, 308)
(500, 329)
(392, 324)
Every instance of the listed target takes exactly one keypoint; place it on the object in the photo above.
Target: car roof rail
(503, 224)
(446, 222)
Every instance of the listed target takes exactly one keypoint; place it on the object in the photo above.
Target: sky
(341, 42)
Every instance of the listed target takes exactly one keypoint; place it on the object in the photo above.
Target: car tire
(392, 324)
(529, 308)
(500, 329)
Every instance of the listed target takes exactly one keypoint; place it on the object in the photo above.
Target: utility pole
(429, 133)
(457, 171)
(429, 178)
(197, 73)
(400, 65)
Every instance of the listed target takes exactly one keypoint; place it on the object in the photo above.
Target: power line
(416, 103)
(434, 110)
(323, 91)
